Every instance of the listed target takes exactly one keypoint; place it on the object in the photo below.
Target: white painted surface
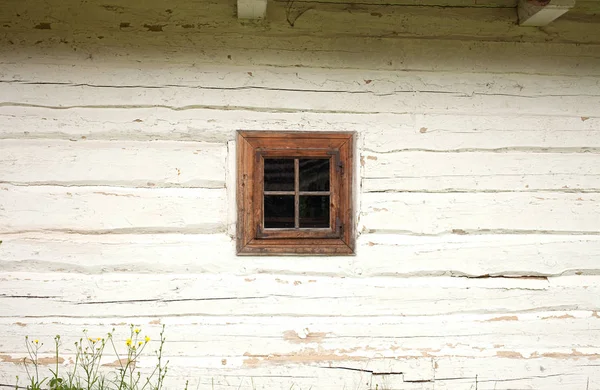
(478, 214)
(113, 163)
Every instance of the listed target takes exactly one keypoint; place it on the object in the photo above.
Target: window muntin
(297, 187)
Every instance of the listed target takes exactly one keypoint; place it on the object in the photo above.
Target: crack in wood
(143, 230)
(203, 107)
(170, 300)
(209, 184)
(524, 378)
(482, 232)
(524, 149)
(300, 90)
(372, 372)
(477, 191)
(488, 276)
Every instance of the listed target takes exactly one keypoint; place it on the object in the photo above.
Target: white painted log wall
(478, 206)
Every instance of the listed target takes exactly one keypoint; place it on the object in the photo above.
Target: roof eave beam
(542, 12)
(251, 9)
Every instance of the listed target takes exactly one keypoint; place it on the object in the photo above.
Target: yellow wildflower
(140, 343)
(36, 341)
(137, 330)
(147, 339)
(128, 342)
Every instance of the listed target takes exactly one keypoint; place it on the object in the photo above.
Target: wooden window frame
(252, 148)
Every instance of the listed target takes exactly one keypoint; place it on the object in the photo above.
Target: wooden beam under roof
(251, 9)
(542, 12)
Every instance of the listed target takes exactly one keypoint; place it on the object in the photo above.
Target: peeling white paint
(478, 253)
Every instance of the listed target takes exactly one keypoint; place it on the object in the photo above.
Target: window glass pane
(279, 174)
(314, 211)
(314, 174)
(279, 211)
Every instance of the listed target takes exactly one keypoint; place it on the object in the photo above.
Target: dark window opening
(296, 193)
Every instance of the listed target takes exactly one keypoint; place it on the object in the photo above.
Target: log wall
(478, 212)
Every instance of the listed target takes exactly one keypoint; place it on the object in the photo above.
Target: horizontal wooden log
(477, 255)
(468, 255)
(194, 374)
(552, 375)
(463, 213)
(381, 132)
(477, 336)
(282, 100)
(460, 132)
(113, 163)
(106, 209)
(239, 78)
(336, 52)
(481, 171)
(36, 295)
(310, 349)
(126, 124)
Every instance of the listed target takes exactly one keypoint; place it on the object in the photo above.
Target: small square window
(294, 193)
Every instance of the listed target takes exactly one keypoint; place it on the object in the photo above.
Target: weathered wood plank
(195, 374)
(514, 373)
(436, 213)
(377, 82)
(498, 351)
(105, 209)
(460, 132)
(398, 102)
(520, 171)
(553, 375)
(113, 163)
(224, 295)
(381, 132)
(558, 375)
(336, 52)
(473, 255)
(129, 124)
(470, 255)
(477, 336)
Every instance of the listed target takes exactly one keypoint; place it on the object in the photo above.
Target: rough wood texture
(454, 254)
(109, 209)
(388, 97)
(113, 163)
(86, 296)
(356, 351)
(437, 213)
(571, 170)
(477, 259)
